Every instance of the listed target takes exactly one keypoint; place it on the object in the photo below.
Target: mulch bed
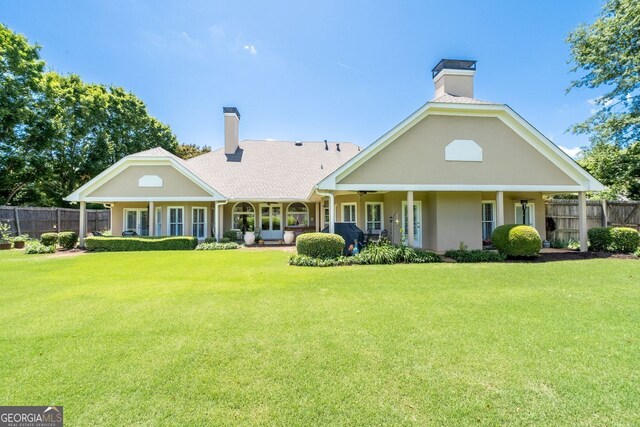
(573, 256)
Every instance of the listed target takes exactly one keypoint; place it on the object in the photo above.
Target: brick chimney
(454, 77)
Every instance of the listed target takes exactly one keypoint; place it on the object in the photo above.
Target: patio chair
(129, 233)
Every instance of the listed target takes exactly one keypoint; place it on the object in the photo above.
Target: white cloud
(251, 49)
(572, 152)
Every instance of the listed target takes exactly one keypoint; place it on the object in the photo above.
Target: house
(450, 172)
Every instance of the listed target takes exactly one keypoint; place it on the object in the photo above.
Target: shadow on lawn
(571, 256)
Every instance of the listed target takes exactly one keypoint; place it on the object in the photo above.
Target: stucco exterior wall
(418, 157)
(125, 184)
(117, 215)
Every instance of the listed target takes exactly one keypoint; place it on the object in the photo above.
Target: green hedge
(68, 239)
(232, 235)
(513, 240)
(49, 239)
(475, 255)
(615, 239)
(320, 245)
(35, 247)
(599, 238)
(124, 244)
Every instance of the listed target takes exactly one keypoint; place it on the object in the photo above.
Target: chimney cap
(453, 64)
(231, 110)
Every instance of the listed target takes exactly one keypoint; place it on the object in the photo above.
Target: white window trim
(482, 221)
(366, 220)
(169, 219)
(158, 217)
(254, 213)
(204, 208)
(342, 206)
(308, 214)
(532, 213)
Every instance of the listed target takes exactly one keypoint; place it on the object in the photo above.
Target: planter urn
(5, 245)
(289, 237)
(18, 244)
(249, 238)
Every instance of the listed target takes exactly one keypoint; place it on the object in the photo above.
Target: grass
(239, 337)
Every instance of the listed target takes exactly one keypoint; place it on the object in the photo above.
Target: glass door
(417, 220)
(271, 221)
(137, 220)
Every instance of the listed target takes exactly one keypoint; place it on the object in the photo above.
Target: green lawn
(239, 337)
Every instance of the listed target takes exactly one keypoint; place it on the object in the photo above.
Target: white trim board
(584, 181)
(461, 187)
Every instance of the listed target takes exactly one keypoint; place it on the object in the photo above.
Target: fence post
(57, 220)
(17, 218)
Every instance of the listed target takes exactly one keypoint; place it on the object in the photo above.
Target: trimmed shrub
(320, 245)
(231, 235)
(210, 240)
(226, 240)
(624, 239)
(49, 239)
(35, 247)
(217, 246)
(599, 238)
(475, 255)
(124, 244)
(67, 239)
(513, 240)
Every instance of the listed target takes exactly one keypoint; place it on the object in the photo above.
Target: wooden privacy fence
(564, 215)
(35, 221)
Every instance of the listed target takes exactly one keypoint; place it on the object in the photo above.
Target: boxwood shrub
(624, 239)
(475, 255)
(49, 239)
(35, 247)
(123, 244)
(67, 239)
(320, 245)
(599, 238)
(513, 240)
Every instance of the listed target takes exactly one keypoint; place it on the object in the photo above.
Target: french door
(137, 220)
(271, 221)
(417, 222)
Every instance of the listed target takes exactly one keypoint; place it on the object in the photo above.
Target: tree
(608, 54)
(57, 132)
(189, 151)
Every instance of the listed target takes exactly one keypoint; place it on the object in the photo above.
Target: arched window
(297, 214)
(244, 217)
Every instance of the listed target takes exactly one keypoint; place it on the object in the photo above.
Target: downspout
(216, 218)
(332, 210)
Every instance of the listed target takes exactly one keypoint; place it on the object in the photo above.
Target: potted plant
(259, 238)
(5, 234)
(19, 241)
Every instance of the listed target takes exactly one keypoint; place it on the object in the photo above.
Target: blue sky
(336, 70)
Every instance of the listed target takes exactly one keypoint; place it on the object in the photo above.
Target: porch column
(216, 221)
(410, 218)
(152, 219)
(332, 213)
(582, 220)
(499, 208)
(317, 217)
(83, 223)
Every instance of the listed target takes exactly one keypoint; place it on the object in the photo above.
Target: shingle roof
(271, 169)
(157, 152)
(452, 99)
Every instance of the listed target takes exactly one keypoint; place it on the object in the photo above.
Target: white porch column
(317, 217)
(152, 219)
(332, 214)
(499, 208)
(216, 221)
(582, 220)
(83, 223)
(410, 219)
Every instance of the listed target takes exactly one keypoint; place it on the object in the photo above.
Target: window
(529, 214)
(297, 214)
(159, 221)
(244, 217)
(488, 219)
(199, 218)
(326, 215)
(349, 212)
(374, 216)
(176, 221)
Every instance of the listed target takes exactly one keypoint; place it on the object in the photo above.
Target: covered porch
(440, 220)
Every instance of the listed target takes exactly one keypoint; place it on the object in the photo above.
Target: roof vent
(326, 146)
(298, 143)
(338, 147)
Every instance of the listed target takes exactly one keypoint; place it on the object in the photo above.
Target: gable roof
(154, 156)
(271, 170)
(453, 105)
